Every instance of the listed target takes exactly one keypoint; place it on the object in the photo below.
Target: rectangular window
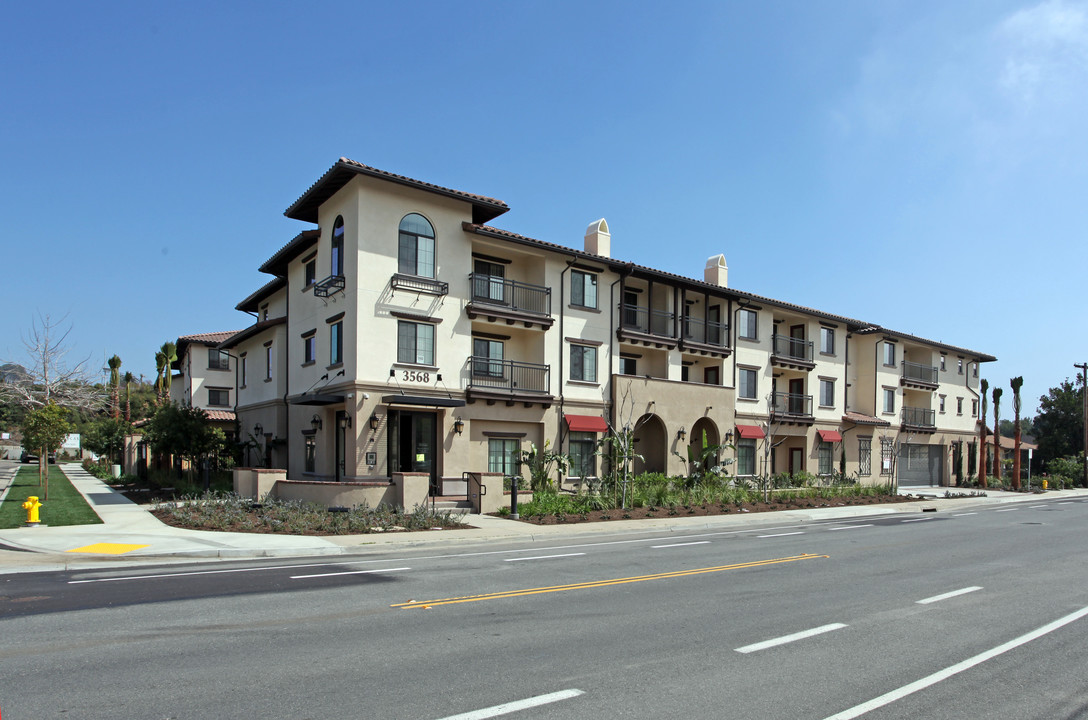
(748, 383)
(218, 397)
(972, 458)
(502, 455)
(823, 457)
(242, 371)
(827, 341)
(889, 354)
(268, 362)
(336, 343)
(416, 255)
(583, 363)
(746, 457)
(959, 366)
(487, 358)
(685, 373)
(887, 450)
(747, 326)
(583, 460)
(865, 456)
(974, 408)
(889, 400)
(940, 403)
(310, 454)
(583, 289)
(415, 343)
(974, 370)
(309, 348)
(488, 282)
(628, 366)
(959, 406)
(827, 393)
(218, 359)
(942, 363)
(712, 375)
(311, 273)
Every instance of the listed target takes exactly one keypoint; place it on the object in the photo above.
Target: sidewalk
(130, 533)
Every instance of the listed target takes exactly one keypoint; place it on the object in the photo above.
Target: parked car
(29, 457)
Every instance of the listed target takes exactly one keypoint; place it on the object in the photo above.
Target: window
(310, 453)
(502, 455)
(219, 397)
(628, 366)
(416, 252)
(827, 341)
(218, 359)
(972, 458)
(823, 458)
(887, 450)
(746, 457)
(242, 369)
(264, 312)
(712, 375)
(959, 366)
(337, 264)
(311, 272)
(309, 347)
(974, 370)
(746, 319)
(748, 383)
(827, 393)
(959, 406)
(583, 461)
(685, 373)
(336, 343)
(583, 289)
(488, 281)
(942, 362)
(889, 400)
(487, 358)
(415, 343)
(268, 361)
(940, 403)
(974, 408)
(865, 456)
(583, 363)
(889, 354)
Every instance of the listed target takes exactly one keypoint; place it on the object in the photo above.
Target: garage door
(921, 465)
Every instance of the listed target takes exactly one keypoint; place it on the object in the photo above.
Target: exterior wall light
(374, 420)
(458, 425)
(345, 422)
(315, 422)
(258, 430)
(681, 433)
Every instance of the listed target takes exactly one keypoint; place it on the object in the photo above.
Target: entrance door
(412, 444)
(797, 460)
(341, 445)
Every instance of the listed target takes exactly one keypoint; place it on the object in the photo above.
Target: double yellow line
(413, 604)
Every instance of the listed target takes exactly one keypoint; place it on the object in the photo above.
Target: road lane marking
(1038, 506)
(940, 675)
(1005, 510)
(543, 557)
(916, 520)
(697, 542)
(348, 572)
(964, 514)
(203, 572)
(503, 594)
(1066, 502)
(507, 708)
(797, 532)
(789, 638)
(850, 527)
(945, 596)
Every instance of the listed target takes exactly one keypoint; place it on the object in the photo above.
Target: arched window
(338, 246)
(416, 252)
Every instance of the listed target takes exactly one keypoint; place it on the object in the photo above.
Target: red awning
(750, 432)
(586, 423)
(830, 435)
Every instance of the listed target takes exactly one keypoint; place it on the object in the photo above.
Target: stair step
(452, 505)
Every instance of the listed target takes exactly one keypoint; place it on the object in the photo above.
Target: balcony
(916, 375)
(791, 408)
(419, 285)
(790, 352)
(328, 286)
(705, 337)
(650, 327)
(919, 419)
(511, 381)
(497, 298)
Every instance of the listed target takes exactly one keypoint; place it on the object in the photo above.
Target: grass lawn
(64, 507)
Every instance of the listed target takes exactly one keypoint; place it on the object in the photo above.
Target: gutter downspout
(287, 382)
(562, 348)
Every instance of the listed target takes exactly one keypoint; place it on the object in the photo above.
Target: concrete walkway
(130, 533)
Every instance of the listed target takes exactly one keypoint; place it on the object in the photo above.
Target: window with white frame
(746, 457)
(416, 253)
(583, 363)
(415, 343)
(943, 358)
(889, 400)
(268, 361)
(940, 403)
(503, 455)
(747, 326)
(748, 379)
(974, 408)
(583, 459)
(827, 341)
(959, 406)
(309, 347)
(827, 392)
(959, 366)
(889, 354)
(583, 289)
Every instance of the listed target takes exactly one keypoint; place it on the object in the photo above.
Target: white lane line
(798, 532)
(507, 708)
(1005, 510)
(964, 514)
(203, 572)
(789, 638)
(1037, 506)
(899, 693)
(1066, 502)
(916, 520)
(698, 542)
(850, 527)
(945, 596)
(543, 557)
(348, 572)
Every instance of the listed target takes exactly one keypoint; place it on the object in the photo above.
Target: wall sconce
(258, 430)
(729, 436)
(345, 421)
(374, 420)
(681, 433)
(315, 422)
(458, 425)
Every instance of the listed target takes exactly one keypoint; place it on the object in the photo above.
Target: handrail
(508, 374)
(514, 294)
(654, 322)
(471, 477)
(783, 403)
(919, 372)
(919, 417)
(791, 347)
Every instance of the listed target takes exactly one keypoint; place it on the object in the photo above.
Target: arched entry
(650, 443)
(703, 429)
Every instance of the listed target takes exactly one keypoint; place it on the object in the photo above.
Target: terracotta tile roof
(252, 303)
(250, 331)
(863, 419)
(205, 338)
(277, 264)
(982, 357)
(220, 415)
(305, 208)
(1008, 443)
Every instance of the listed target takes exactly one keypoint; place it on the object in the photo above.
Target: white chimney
(716, 271)
(598, 239)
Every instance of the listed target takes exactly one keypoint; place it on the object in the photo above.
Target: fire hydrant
(31, 506)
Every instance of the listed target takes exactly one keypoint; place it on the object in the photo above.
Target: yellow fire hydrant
(31, 506)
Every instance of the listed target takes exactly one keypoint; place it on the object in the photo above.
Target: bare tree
(48, 376)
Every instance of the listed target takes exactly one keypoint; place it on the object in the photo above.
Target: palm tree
(984, 385)
(115, 383)
(160, 365)
(1016, 383)
(170, 352)
(997, 433)
(129, 379)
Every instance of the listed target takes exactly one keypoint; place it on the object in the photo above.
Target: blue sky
(917, 164)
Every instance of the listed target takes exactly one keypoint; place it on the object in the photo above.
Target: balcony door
(797, 396)
(797, 342)
(488, 281)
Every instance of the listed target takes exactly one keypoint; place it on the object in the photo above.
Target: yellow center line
(600, 583)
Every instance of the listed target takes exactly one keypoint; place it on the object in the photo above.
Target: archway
(650, 442)
(706, 430)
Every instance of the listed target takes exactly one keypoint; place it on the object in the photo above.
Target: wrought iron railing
(511, 375)
(919, 417)
(791, 404)
(919, 372)
(329, 285)
(414, 283)
(709, 332)
(653, 322)
(790, 347)
(511, 293)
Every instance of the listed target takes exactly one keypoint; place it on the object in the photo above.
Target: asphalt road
(962, 614)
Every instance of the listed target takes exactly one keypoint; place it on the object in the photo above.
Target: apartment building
(402, 333)
(203, 377)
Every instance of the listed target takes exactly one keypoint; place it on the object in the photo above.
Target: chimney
(598, 239)
(716, 271)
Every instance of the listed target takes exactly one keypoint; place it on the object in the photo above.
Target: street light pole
(1083, 367)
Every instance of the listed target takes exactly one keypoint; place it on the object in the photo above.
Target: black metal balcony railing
(790, 347)
(791, 404)
(415, 283)
(511, 293)
(653, 322)
(919, 373)
(509, 375)
(329, 285)
(919, 417)
(711, 333)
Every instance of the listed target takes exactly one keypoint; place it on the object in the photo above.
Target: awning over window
(750, 432)
(830, 435)
(586, 423)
